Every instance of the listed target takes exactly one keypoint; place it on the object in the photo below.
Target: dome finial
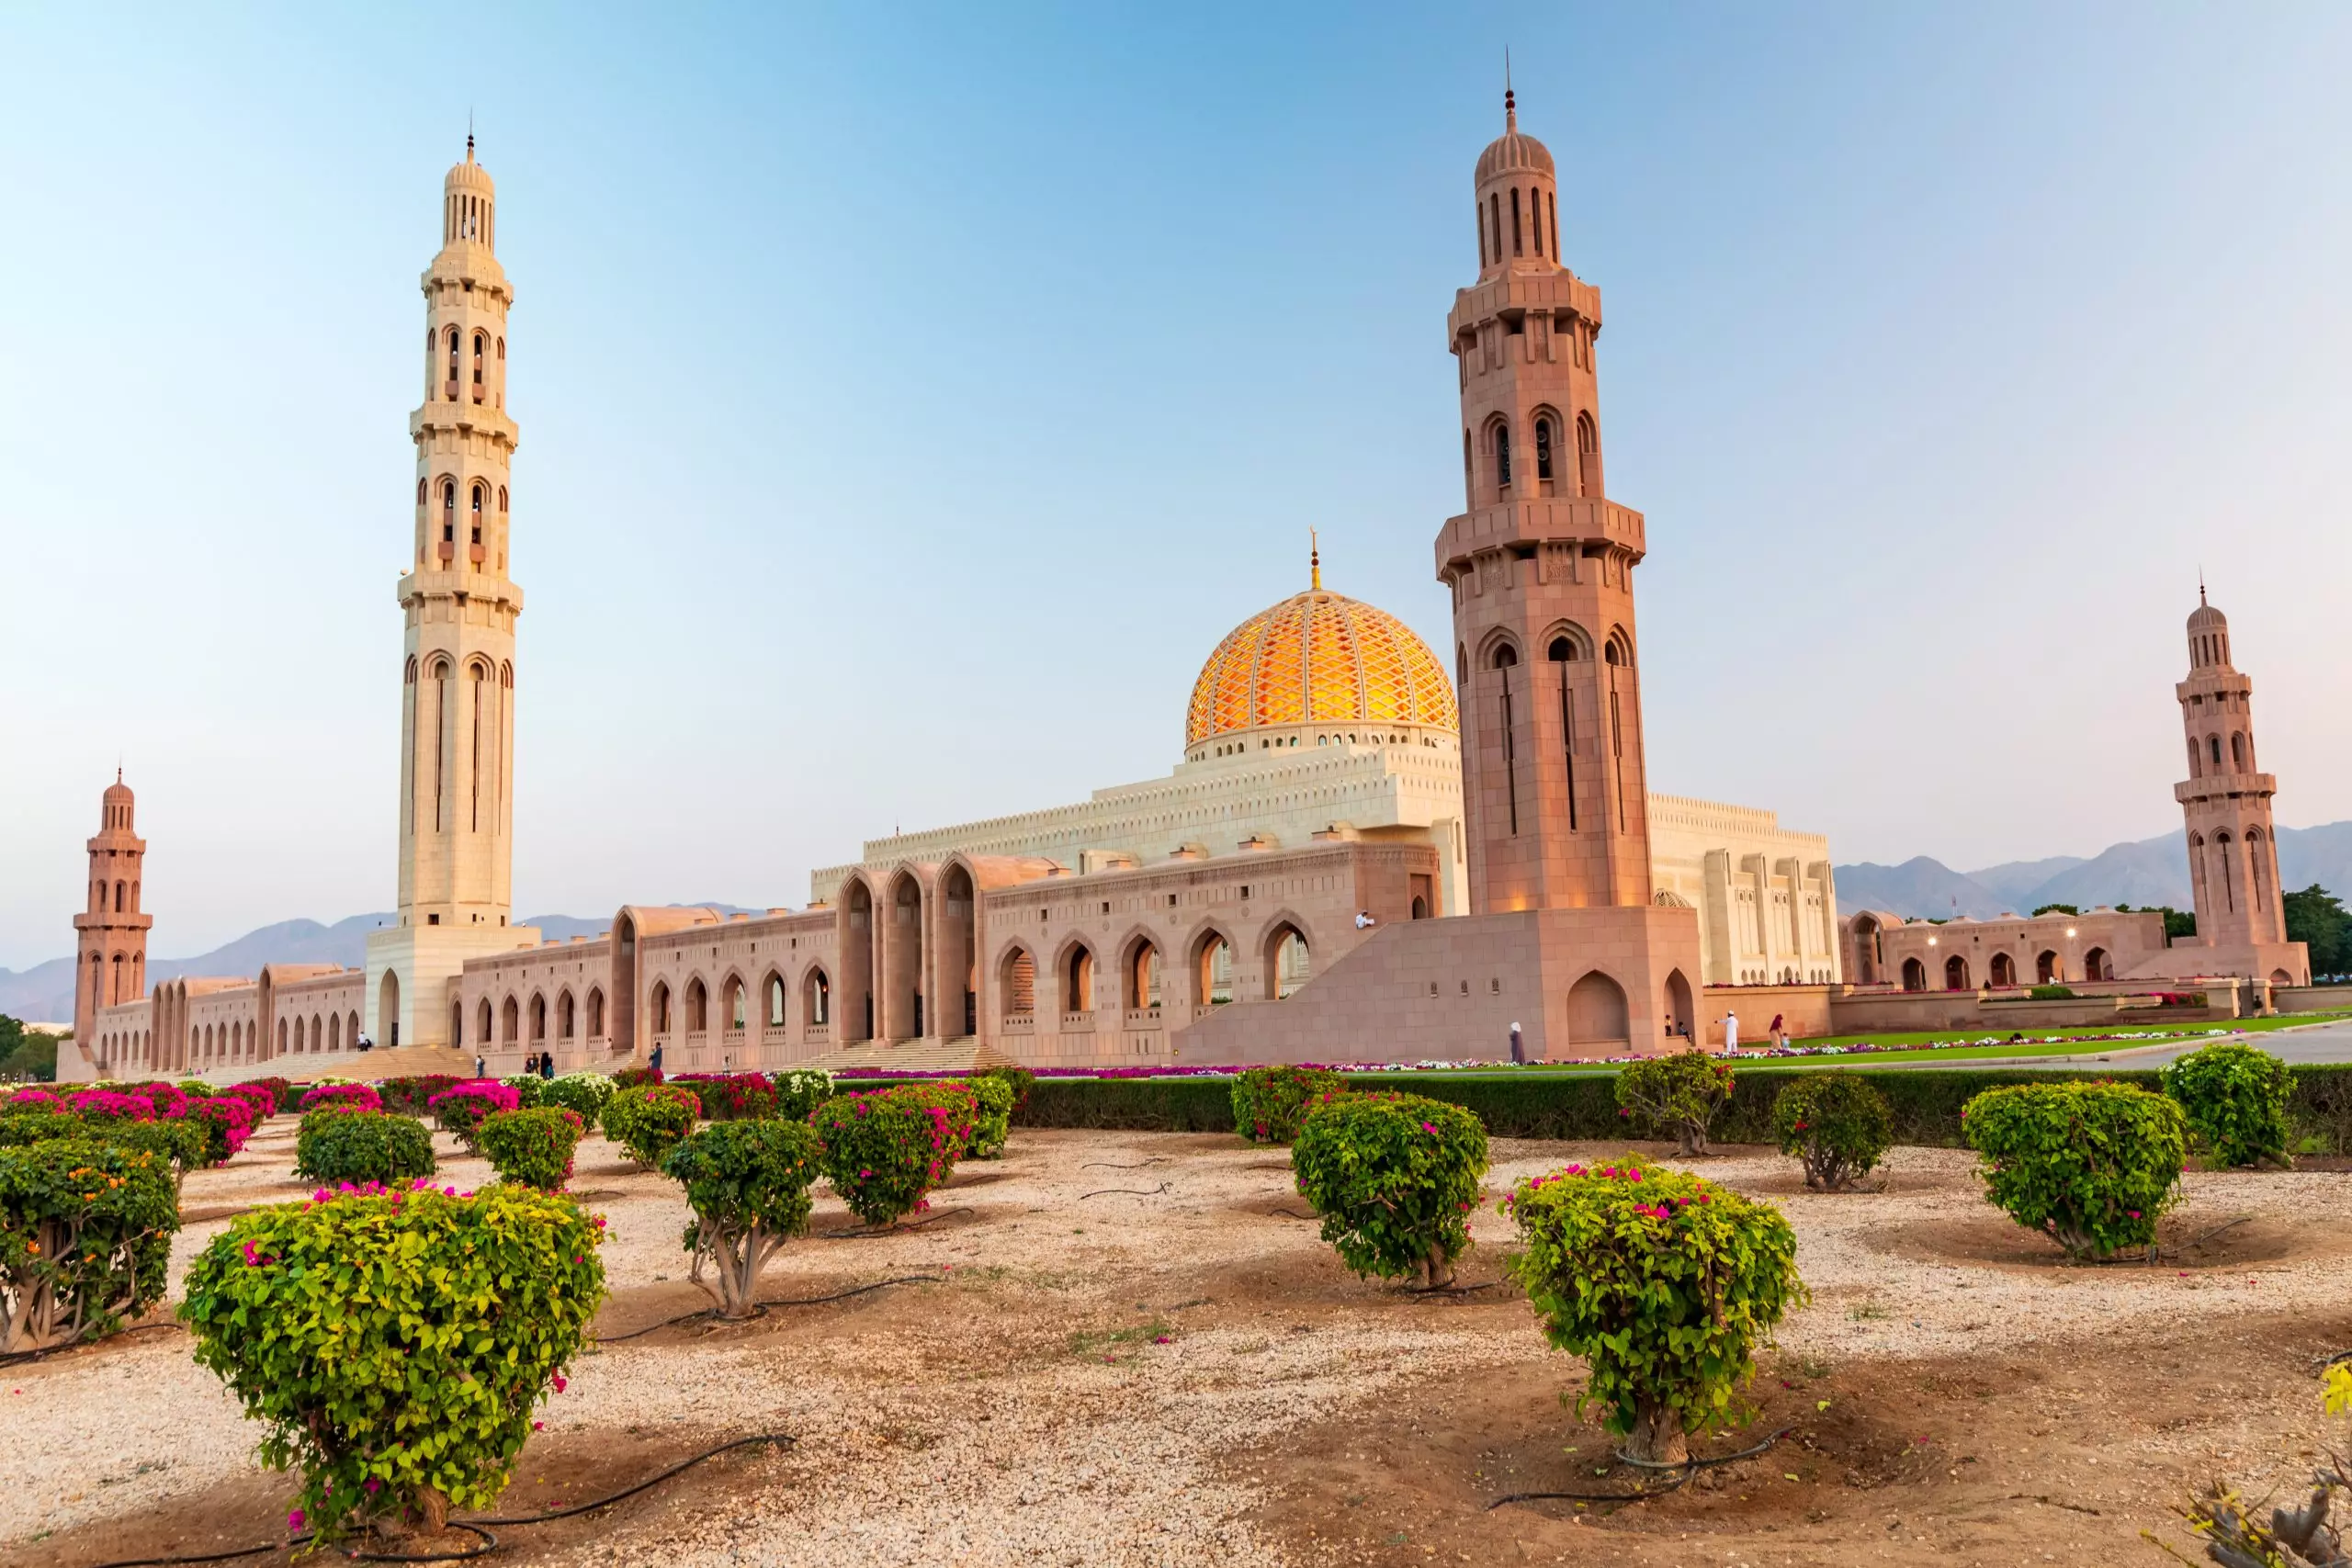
(1314, 563)
(2200, 587)
(1510, 99)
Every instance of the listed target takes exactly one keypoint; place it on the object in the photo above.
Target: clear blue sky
(910, 397)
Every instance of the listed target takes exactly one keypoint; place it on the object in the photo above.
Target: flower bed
(357, 1095)
(730, 1097)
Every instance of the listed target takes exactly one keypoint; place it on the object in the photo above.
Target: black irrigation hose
(1682, 1471)
(1294, 1213)
(19, 1358)
(489, 1544)
(1129, 1192)
(870, 1232)
(471, 1527)
(801, 1302)
(1455, 1290)
(1106, 1165)
(641, 1486)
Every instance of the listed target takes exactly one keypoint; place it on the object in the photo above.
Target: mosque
(1360, 855)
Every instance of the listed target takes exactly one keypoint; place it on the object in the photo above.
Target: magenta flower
(296, 1519)
(560, 1383)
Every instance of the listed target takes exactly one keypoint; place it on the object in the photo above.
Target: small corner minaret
(1541, 565)
(457, 680)
(2233, 853)
(111, 933)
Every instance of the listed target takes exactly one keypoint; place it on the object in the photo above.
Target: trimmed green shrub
(992, 1115)
(1678, 1094)
(1664, 1282)
(649, 1122)
(583, 1092)
(1836, 1124)
(86, 1238)
(2235, 1098)
(196, 1089)
(885, 1150)
(799, 1091)
(748, 1185)
(2051, 994)
(1020, 1079)
(1270, 1103)
(1395, 1177)
(2091, 1165)
(532, 1146)
(184, 1145)
(337, 1145)
(395, 1342)
(530, 1091)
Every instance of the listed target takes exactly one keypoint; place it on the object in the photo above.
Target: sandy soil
(1121, 1350)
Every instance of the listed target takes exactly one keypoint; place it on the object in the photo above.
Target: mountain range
(2150, 871)
(44, 993)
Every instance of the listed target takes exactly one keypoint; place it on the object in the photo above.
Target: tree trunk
(1437, 1269)
(1657, 1437)
(436, 1510)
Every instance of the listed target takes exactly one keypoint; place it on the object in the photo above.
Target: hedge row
(1925, 1102)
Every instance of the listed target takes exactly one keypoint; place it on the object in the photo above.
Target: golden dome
(1319, 657)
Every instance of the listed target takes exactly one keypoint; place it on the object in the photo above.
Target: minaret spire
(1314, 563)
(1510, 99)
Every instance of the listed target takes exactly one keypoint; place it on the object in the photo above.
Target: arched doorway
(902, 977)
(697, 1007)
(388, 1010)
(458, 1023)
(1955, 973)
(1078, 980)
(1288, 964)
(1597, 1013)
(657, 1008)
(1140, 977)
(856, 957)
(730, 1006)
(1868, 965)
(1679, 1014)
(510, 1019)
(957, 955)
(2045, 967)
(1213, 970)
(2003, 970)
(2096, 965)
(1915, 974)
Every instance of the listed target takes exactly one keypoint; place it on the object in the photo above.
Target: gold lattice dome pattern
(1319, 657)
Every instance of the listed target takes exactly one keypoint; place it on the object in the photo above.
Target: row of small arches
(1550, 460)
(483, 388)
(98, 898)
(2001, 971)
(2241, 754)
(735, 1002)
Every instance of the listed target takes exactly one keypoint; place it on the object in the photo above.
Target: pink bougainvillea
(259, 1095)
(354, 1096)
(107, 1102)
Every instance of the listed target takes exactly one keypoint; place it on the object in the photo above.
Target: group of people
(539, 1064)
(1681, 1031)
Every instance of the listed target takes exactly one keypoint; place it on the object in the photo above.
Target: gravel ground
(1094, 1352)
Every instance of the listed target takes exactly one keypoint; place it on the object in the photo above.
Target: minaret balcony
(2225, 786)
(1581, 519)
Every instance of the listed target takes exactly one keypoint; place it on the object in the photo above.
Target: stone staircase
(959, 1056)
(406, 1061)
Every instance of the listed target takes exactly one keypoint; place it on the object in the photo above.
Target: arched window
(698, 1006)
(563, 1018)
(1915, 974)
(1288, 964)
(482, 346)
(1213, 970)
(2045, 967)
(448, 509)
(1544, 447)
(1078, 981)
(482, 1035)
(2237, 761)
(1502, 455)
(2196, 760)
(539, 1018)
(731, 1012)
(510, 1022)
(450, 390)
(1495, 221)
(2214, 743)
(1018, 987)
(502, 500)
(299, 1036)
(1536, 217)
(1955, 973)
(1143, 976)
(596, 1013)
(2258, 869)
(420, 495)
(1484, 257)
(2096, 965)
(334, 1032)
(1552, 217)
(818, 1008)
(775, 1001)
(1588, 456)
(1518, 246)
(2003, 970)
(118, 898)
(1505, 658)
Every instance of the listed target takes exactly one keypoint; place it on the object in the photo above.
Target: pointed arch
(1017, 984)
(698, 1006)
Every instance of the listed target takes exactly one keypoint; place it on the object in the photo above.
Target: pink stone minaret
(1541, 564)
(111, 933)
(2232, 856)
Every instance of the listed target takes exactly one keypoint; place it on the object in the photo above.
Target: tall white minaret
(459, 606)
